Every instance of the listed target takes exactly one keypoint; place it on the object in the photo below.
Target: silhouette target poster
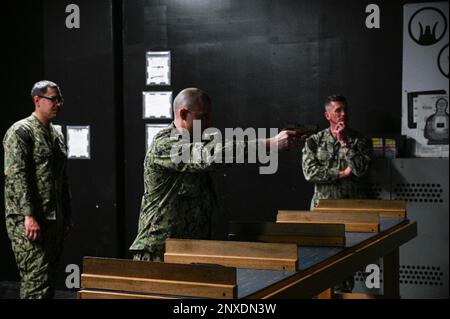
(425, 77)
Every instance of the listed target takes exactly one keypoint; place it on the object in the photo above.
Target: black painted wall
(265, 63)
(22, 65)
(82, 62)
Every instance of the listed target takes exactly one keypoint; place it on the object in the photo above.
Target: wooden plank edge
(97, 294)
(355, 227)
(158, 286)
(298, 240)
(235, 261)
(382, 213)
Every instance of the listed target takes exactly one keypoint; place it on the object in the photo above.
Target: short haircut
(40, 88)
(187, 98)
(335, 98)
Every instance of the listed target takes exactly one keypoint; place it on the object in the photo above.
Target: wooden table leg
(326, 294)
(391, 277)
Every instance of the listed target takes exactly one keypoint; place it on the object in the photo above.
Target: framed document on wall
(158, 67)
(150, 131)
(157, 105)
(78, 142)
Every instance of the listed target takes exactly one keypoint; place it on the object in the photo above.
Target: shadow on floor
(11, 290)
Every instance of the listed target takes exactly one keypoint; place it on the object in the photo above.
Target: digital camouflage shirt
(179, 198)
(323, 160)
(35, 171)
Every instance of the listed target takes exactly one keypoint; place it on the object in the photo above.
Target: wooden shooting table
(323, 267)
(295, 272)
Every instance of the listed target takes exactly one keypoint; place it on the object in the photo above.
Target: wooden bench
(385, 208)
(233, 254)
(106, 278)
(304, 234)
(354, 221)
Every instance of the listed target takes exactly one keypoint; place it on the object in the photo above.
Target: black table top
(250, 281)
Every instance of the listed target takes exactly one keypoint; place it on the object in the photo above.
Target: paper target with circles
(425, 71)
(427, 26)
(443, 61)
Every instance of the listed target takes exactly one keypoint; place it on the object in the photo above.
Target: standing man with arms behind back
(37, 200)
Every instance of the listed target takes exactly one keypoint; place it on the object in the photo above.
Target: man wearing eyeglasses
(179, 198)
(38, 215)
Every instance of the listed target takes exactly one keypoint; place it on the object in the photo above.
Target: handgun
(307, 129)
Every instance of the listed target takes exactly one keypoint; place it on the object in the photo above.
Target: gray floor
(11, 290)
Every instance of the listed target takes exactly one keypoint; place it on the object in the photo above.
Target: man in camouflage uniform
(179, 198)
(37, 207)
(335, 160)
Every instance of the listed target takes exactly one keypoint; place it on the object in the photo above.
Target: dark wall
(22, 65)
(82, 62)
(265, 63)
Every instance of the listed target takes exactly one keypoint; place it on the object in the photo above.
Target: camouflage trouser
(349, 283)
(155, 255)
(37, 261)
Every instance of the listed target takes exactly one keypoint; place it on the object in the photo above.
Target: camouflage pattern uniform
(323, 160)
(178, 199)
(36, 185)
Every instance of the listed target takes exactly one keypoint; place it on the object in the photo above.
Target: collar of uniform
(330, 137)
(35, 122)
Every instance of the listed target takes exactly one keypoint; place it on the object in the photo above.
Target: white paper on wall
(78, 142)
(157, 105)
(158, 67)
(432, 126)
(150, 131)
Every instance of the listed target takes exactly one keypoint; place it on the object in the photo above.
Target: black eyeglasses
(54, 99)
